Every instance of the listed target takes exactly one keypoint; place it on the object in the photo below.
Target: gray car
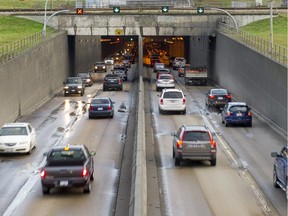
(194, 142)
(74, 85)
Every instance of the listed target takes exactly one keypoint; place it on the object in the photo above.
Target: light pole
(271, 27)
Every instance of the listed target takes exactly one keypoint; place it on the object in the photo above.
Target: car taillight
(43, 174)
(161, 101)
(249, 113)
(179, 144)
(211, 96)
(228, 96)
(90, 108)
(213, 143)
(109, 107)
(84, 172)
(228, 113)
(184, 101)
(119, 81)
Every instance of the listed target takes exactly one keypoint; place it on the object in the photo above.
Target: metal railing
(275, 52)
(14, 49)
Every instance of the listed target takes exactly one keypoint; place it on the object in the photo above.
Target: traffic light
(116, 9)
(165, 9)
(200, 10)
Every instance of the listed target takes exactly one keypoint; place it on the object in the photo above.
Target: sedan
(17, 138)
(165, 81)
(112, 81)
(236, 113)
(162, 71)
(217, 97)
(101, 107)
(99, 67)
(86, 78)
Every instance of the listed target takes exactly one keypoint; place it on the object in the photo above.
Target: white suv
(172, 100)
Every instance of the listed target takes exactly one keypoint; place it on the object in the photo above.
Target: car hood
(9, 139)
(73, 84)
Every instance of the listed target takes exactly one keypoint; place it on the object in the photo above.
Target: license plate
(220, 98)
(239, 114)
(8, 150)
(63, 183)
(100, 108)
(196, 146)
(73, 90)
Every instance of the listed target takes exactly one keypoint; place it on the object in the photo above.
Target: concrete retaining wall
(251, 76)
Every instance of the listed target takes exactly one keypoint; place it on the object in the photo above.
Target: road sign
(200, 10)
(116, 9)
(79, 11)
(119, 32)
(165, 9)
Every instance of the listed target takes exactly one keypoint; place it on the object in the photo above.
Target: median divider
(138, 196)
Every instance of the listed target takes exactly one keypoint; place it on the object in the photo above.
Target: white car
(165, 81)
(179, 62)
(17, 138)
(172, 100)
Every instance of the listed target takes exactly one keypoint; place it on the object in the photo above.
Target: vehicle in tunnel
(86, 78)
(112, 81)
(165, 81)
(100, 67)
(101, 107)
(172, 100)
(74, 85)
(217, 97)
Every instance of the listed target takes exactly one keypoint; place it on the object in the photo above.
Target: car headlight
(88, 80)
(96, 67)
(104, 67)
(79, 87)
(23, 142)
(66, 87)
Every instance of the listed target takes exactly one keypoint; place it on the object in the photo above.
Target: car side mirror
(45, 154)
(274, 154)
(92, 153)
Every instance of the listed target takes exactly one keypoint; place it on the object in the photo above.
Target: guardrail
(14, 49)
(275, 52)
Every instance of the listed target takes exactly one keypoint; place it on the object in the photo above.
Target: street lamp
(271, 27)
(46, 20)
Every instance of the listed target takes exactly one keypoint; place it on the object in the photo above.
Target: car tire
(226, 124)
(213, 162)
(104, 89)
(65, 95)
(249, 124)
(87, 187)
(275, 179)
(184, 112)
(45, 190)
(157, 89)
(92, 176)
(81, 93)
(30, 149)
(177, 162)
(160, 111)
(173, 153)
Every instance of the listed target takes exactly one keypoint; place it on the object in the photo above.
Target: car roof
(72, 147)
(218, 89)
(16, 124)
(196, 127)
(237, 103)
(172, 90)
(165, 75)
(112, 75)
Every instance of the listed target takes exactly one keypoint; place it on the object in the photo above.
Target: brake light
(109, 107)
(43, 174)
(211, 96)
(228, 113)
(84, 172)
(228, 96)
(184, 101)
(119, 81)
(179, 144)
(161, 101)
(213, 143)
(90, 108)
(249, 113)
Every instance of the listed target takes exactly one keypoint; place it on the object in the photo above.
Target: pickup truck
(67, 166)
(280, 174)
(195, 75)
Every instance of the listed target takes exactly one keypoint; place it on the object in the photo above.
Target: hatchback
(236, 113)
(172, 100)
(112, 81)
(165, 81)
(217, 97)
(194, 142)
(17, 138)
(101, 107)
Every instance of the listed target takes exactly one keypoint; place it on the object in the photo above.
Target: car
(194, 142)
(126, 63)
(217, 97)
(280, 174)
(18, 137)
(178, 62)
(86, 78)
(181, 71)
(165, 81)
(172, 100)
(67, 166)
(162, 71)
(121, 72)
(100, 67)
(236, 113)
(74, 85)
(157, 66)
(102, 106)
(112, 81)
(153, 61)
(109, 61)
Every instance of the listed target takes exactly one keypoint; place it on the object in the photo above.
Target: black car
(100, 67)
(99, 107)
(217, 97)
(74, 85)
(86, 78)
(112, 81)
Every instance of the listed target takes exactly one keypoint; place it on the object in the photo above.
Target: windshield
(239, 109)
(12, 131)
(219, 92)
(196, 136)
(172, 95)
(100, 101)
(74, 80)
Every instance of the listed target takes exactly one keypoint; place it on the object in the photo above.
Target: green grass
(262, 29)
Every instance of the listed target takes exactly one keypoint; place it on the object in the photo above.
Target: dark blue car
(100, 107)
(236, 113)
(280, 175)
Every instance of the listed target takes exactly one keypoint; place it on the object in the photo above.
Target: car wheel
(275, 179)
(87, 187)
(121, 89)
(184, 112)
(213, 162)
(177, 162)
(30, 149)
(249, 124)
(222, 121)
(45, 190)
(173, 153)
(160, 111)
(65, 95)
(226, 124)
(92, 176)
(81, 93)
(157, 89)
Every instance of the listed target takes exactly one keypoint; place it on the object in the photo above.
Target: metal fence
(271, 50)
(14, 49)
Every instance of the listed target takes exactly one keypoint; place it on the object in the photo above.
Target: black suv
(112, 81)
(74, 85)
(194, 142)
